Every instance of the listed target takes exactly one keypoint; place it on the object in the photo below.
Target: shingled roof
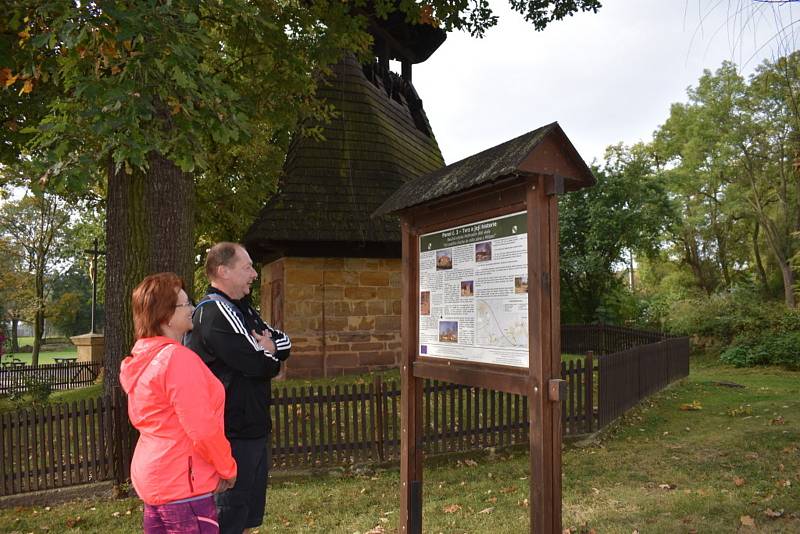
(330, 188)
(545, 150)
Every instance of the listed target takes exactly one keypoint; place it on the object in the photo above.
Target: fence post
(589, 397)
(379, 407)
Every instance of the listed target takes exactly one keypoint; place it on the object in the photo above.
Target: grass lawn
(51, 348)
(731, 463)
(44, 356)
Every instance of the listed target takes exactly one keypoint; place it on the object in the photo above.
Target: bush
(777, 344)
(36, 389)
(736, 314)
(772, 348)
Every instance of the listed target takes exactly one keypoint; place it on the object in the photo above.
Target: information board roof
(546, 150)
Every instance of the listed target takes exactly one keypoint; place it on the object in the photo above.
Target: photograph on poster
(483, 251)
(448, 331)
(444, 259)
(467, 288)
(520, 284)
(425, 303)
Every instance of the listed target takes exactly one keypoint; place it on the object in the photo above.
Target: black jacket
(221, 336)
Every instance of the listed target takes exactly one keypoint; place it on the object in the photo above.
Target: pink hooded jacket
(177, 405)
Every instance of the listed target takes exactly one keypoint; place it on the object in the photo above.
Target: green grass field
(51, 348)
(698, 457)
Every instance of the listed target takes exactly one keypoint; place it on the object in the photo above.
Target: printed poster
(473, 292)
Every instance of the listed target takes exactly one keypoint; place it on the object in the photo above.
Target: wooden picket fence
(59, 445)
(62, 445)
(59, 376)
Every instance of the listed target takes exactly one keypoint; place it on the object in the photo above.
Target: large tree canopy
(731, 158)
(143, 101)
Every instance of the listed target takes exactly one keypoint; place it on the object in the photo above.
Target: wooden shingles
(330, 188)
(546, 150)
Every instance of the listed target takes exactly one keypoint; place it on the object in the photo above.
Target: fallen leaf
(692, 407)
(509, 489)
(471, 463)
(738, 481)
(769, 512)
(451, 509)
(73, 522)
(747, 521)
(778, 421)
(487, 510)
(667, 486)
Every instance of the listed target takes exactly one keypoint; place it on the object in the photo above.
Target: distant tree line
(707, 214)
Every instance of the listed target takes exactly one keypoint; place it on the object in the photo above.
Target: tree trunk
(14, 335)
(762, 273)
(788, 284)
(38, 317)
(149, 229)
(38, 334)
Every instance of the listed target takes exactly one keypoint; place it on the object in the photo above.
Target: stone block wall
(343, 314)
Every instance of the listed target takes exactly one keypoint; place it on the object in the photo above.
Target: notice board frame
(537, 195)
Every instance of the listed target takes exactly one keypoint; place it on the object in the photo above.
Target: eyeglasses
(186, 304)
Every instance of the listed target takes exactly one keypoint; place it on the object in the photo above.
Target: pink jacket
(177, 405)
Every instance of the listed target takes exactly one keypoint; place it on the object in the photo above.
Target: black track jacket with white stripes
(221, 336)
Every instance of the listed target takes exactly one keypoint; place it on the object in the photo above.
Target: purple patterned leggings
(193, 517)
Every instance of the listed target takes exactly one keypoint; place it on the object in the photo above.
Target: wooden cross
(95, 252)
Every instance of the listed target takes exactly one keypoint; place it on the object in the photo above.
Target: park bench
(65, 359)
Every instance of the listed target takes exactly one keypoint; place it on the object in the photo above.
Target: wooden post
(378, 410)
(589, 418)
(411, 395)
(544, 367)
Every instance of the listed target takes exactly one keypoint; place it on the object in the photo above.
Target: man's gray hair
(220, 254)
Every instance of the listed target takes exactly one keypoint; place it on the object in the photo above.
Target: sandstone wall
(343, 314)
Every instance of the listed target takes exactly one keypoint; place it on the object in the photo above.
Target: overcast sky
(606, 78)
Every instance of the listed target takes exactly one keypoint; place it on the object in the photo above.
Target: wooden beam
(487, 376)
(537, 285)
(554, 407)
(543, 311)
(410, 392)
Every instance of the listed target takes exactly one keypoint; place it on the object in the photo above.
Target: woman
(182, 456)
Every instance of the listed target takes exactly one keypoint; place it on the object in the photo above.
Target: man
(244, 353)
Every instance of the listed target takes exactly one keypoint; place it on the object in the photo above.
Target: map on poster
(473, 292)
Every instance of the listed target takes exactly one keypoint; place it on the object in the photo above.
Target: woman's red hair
(154, 301)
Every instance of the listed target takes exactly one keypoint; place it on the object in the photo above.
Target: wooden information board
(480, 302)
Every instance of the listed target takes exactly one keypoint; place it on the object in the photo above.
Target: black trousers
(243, 505)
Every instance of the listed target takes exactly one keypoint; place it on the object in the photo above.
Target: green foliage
(70, 307)
(725, 315)
(728, 158)
(769, 349)
(775, 343)
(627, 210)
(35, 393)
